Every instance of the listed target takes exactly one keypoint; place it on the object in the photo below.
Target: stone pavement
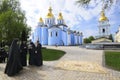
(49, 71)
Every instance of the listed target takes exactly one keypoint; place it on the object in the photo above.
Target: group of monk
(18, 56)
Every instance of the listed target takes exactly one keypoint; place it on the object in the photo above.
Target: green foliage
(12, 20)
(106, 3)
(111, 37)
(89, 40)
(50, 54)
(112, 59)
(83, 2)
(86, 40)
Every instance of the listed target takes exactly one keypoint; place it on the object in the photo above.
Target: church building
(49, 32)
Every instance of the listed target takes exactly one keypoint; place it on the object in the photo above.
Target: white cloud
(72, 14)
(89, 32)
(30, 6)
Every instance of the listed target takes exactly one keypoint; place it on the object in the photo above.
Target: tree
(111, 37)
(106, 3)
(12, 20)
(86, 40)
(89, 39)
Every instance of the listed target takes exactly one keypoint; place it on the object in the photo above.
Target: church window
(51, 34)
(48, 21)
(56, 34)
(103, 30)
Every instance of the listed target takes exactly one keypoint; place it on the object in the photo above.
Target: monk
(13, 65)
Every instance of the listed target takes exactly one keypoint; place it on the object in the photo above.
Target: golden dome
(60, 17)
(50, 15)
(103, 17)
(41, 20)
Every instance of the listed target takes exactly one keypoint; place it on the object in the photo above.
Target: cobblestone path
(49, 71)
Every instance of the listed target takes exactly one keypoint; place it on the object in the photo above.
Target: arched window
(56, 34)
(103, 30)
(51, 34)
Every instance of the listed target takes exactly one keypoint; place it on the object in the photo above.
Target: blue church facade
(50, 33)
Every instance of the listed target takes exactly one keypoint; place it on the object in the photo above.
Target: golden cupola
(41, 20)
(60, 17)
(50, 15)
(103, 17)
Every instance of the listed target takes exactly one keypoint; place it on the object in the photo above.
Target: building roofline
(62, 25)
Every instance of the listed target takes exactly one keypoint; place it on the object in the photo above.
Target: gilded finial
(50, 15)
(103, 17)
(60, 17)
(41, 20)
(50, 9)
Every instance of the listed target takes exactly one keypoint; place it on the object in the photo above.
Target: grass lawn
(112, 59)
(51, 54)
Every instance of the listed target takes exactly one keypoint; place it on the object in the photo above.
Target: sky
(77, 18)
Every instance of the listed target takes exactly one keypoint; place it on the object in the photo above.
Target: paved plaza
(72, 66)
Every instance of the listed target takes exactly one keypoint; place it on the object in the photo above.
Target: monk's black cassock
(13, 65)
(38, 61)
(31, 48)
(23, 53)
(3, 53)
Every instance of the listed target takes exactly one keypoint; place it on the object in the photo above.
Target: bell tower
(104, 26)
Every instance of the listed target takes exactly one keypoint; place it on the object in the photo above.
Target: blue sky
(77, 18)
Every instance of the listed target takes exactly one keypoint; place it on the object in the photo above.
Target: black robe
(3, 55)
(13, 65)
(38, 60)
(23, 53)
(31, 48)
